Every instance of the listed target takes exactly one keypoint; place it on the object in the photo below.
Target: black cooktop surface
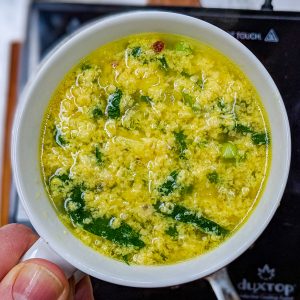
(270, 269)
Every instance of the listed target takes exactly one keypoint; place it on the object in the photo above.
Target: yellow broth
(155, 148)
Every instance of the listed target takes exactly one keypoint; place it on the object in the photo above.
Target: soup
(155, 149)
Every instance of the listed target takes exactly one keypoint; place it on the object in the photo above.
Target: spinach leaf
(185, 74)
(113, 104)
(221, 103)
(98, 155)
(97, 113)
(185, 215)
(243, 129)
(172, 231)
(180, 139)
(136, 51)
(123, 235)
(169, 185)
(58, 136)
(63, 177)
(213, 177)
(260, 138)
(125, 258)
(85, 66)
(163, 62)
(75, 206)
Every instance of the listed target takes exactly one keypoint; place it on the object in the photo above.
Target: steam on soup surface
(155, 148)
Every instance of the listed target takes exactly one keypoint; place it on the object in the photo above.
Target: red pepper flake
(158, 46)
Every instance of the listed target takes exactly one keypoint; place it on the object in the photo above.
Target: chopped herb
(229, 150)
(188, 99)
(213, 177)
(183, 47)
(169, 185)
(201, 83)
(85, 66)
(221, 103)
(243, 129)
(123, 235)
(59, 139)
(97, 113)
(163, 257)
(113, 106)
(180, 139)
(242, 157)
(146, 99)
(98, 155)
(136, 51)
(163, 62)
(185, 74)
(172, 231)
(185, 215)
(202, 144)
(260, 138)
(126, 259)
(188, 189)
(63, 177)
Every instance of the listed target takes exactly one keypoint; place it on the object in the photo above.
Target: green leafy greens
(169, 185)
(184, 215)
(123, 235)
(113, 104)
(180, 139)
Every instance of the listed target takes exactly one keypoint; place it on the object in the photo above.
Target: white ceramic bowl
(26, 138)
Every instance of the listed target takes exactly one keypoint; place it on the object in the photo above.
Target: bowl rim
(30, 86)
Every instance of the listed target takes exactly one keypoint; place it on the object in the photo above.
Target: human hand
(34, 279)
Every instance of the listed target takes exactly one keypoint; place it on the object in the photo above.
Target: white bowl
(27, 131)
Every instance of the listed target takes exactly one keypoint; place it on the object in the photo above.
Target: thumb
(33, 280)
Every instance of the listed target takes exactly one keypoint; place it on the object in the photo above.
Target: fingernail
(36, 282)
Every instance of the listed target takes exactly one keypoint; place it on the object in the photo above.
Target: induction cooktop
(270, 269)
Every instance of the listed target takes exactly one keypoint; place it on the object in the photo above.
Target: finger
(15, 240)
(84, 289)
(35, 279)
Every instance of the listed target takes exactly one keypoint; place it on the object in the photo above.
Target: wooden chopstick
(10, 110)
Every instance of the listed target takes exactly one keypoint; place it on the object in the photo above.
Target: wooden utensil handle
(10, 110)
